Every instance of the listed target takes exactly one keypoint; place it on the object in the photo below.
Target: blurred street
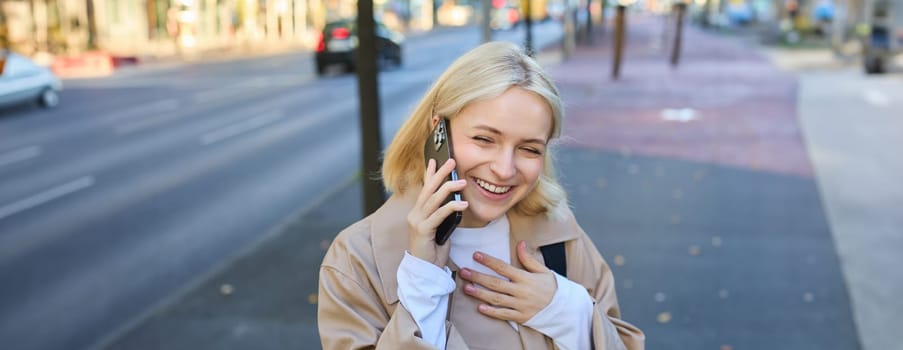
(142, 182)
(745, 199)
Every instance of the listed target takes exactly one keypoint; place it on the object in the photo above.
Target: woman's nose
(503, 165)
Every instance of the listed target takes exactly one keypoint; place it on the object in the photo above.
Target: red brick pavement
(746, 107)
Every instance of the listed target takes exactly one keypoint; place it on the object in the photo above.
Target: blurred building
(158, 27)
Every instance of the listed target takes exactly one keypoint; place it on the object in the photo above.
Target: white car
(22, 81)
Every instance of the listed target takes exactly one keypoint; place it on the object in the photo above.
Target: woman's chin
(485, 216)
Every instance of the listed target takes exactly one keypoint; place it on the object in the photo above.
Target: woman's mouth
(491, 187)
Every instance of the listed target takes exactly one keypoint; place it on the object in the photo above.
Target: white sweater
(426, 297)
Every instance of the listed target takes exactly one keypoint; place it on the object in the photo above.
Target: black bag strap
(553, 254)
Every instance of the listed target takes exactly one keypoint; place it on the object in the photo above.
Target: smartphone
(439, 147)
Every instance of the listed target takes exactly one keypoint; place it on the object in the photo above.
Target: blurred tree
(4, 38)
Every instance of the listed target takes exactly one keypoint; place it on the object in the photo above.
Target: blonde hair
(483, 73)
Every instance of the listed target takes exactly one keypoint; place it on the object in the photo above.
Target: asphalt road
(142, 182)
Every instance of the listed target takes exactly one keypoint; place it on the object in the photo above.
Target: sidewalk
(694, 183)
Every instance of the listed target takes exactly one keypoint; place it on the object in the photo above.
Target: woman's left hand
(519, 299)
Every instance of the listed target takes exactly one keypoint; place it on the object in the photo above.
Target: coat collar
(388, 234)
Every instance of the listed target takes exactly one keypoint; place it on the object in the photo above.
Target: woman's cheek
(532, 168)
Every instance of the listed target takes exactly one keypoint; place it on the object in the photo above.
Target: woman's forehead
(517, 112)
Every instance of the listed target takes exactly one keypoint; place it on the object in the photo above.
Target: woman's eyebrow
(489, 129)
(499, 132)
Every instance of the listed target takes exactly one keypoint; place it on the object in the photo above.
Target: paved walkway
(696, 183)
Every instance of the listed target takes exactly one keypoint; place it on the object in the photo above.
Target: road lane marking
(161, 106)
(144, 124)
(19, 155)
(876, 98)
(682, 115)
(229, 91)
(46, 196)
(241, 127)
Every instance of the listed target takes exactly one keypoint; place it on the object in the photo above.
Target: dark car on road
(338, 45)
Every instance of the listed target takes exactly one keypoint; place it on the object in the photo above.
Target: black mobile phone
(439, 147)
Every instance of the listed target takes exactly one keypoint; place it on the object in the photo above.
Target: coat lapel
(389, 234)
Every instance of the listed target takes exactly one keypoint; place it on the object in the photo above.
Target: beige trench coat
(358, 305)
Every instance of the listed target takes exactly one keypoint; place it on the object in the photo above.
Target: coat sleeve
(350, 316)
(609, 332)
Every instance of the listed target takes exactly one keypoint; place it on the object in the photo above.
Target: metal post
(589, 21)
(528, 42)
(602, 6)
(92, 24)
(570, 34)
(675, 52)
(368, 92)
(486, 9)
(618, 40)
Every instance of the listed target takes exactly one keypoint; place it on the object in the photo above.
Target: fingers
(500, 267)
(518, 299)
(427, 174)
(490, 282)
(499, 305)
(527, 259)
(492, 297)
(429, 212)
(433, 194)
(438, 215)
(433, 177)
(502, 313)
(435, 188)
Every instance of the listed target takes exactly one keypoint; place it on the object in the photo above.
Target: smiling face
(499, 146)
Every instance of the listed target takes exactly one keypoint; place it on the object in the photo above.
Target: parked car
(22, 81)
(338, 45)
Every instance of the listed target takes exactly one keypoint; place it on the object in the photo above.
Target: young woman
(386, 284)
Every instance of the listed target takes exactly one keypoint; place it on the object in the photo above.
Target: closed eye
(482, 139)
(532, 150)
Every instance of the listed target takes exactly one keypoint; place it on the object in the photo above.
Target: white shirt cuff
(568, 319)
(423, 290)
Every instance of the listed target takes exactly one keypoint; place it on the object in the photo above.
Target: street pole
(368, 93)
(618, 41)
(486, 9)
(603, 4)
(568, 43)
(589, 21)
(528, 42)
(675, 51)
(706, 7)
(92, 25)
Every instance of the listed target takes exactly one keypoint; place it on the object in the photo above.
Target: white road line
(145, 123)
(229, 91)
(46, 196)
(876, 98)
(241, 127)
(144, 109)
(19, 155)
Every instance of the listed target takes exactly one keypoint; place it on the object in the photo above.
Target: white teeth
(493, 188)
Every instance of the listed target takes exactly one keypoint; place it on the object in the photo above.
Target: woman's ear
(435, 121)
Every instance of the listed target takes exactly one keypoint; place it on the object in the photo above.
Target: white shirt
(426, 297)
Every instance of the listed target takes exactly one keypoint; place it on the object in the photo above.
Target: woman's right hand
(428, 212)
